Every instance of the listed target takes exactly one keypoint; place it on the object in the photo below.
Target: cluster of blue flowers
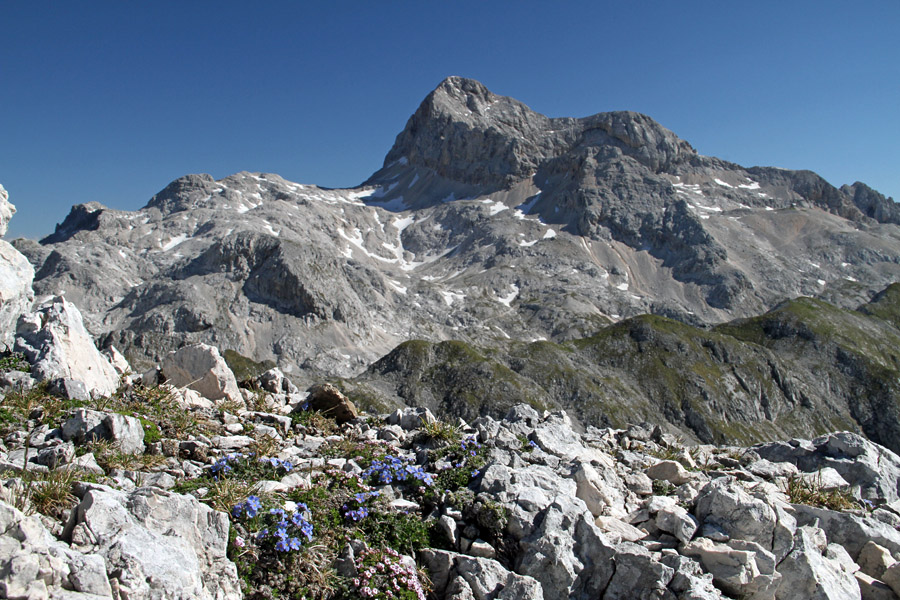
(393, 469)
(288, 529)
(276, 463)
(470, 445)
(222, 466)
(360, 512)
(227, 464)
(250, 507)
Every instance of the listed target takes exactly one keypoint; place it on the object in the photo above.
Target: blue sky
(110, 101)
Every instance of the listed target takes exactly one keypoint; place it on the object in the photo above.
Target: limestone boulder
(806, 572)
(7, 210)
(873, 468)
(16, 294)
(725, 504)
(156, 544)
(34, 564)
(462, 576)
(86, 425)
(739, 568)
(201, 368)
(567, 553)
(56, 343)
(601, 492)
(852, 531)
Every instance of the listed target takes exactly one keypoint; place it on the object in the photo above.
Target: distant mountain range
(534, 244)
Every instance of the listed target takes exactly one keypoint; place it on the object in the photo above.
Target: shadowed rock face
(488, 222)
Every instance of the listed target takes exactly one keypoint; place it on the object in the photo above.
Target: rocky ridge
(487, 221)
(180, 484)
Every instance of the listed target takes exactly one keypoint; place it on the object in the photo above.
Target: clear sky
(110, 101)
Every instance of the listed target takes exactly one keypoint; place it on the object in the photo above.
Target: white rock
(875, 469)
(567, 553)
(85, 425)
(743, 569)
(602, 495)
(156, 544)
(726, 505)
(874, 560)
(637, 575)
(7, 210)
(671, 471)
(849, 530)
(16, 294)
(34, 564)
(872, 589)
(892, 577)
(678, 522)
(619, 531)
(117, 360)
(54, 340)
(201, 368)
(807, 573)
(826, 478)
(484, 579)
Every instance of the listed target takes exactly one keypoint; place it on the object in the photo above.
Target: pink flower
(239, 542)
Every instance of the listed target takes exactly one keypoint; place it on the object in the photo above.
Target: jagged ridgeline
(598, 264)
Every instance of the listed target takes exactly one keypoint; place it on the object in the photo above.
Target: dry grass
(811, 492)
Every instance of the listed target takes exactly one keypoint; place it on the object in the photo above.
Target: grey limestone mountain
(488, 222)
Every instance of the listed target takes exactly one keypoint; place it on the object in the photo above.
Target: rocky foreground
(200, 488)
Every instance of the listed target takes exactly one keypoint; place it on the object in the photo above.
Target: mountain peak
(465, 133)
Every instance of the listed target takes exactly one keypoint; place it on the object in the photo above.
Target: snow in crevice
(397, 286)
(413, 182)
(525, 208)
(174, 242)
(507, 299)
(687, 188)
(401, 224)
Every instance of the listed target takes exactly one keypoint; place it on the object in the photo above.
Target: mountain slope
(805, 367)
(488, 221)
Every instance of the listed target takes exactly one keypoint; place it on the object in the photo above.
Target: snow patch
(174, 242)
(495, 207)
(526, 206)
(451, 297)
(723, 184)
(396, 285)
(753, 185)
(549, 234)
(507, 299)
(403, 223)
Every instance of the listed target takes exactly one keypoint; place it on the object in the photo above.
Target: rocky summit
(542, 358)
